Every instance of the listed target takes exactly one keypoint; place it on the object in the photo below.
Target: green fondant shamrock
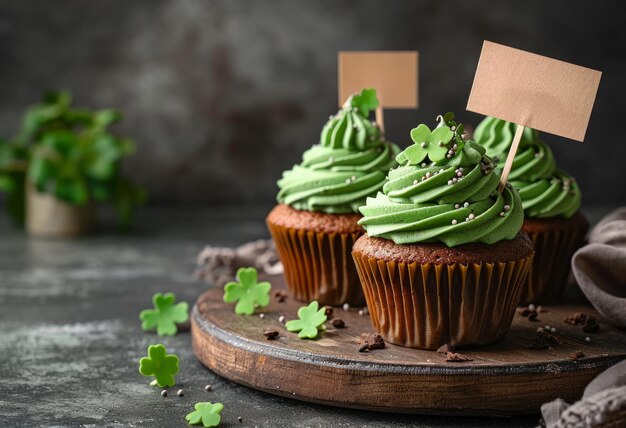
(311, 320)
(159, 364)
(207, 414)
(165, 314)
(427, 143)
(247, 292)
(365, 101)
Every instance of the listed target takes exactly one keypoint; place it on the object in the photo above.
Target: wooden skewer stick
(380, 119)
(510, 157)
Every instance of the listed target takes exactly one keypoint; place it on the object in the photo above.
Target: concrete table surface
(70, 337)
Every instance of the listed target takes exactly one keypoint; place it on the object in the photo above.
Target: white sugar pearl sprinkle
(457, 206)
(164, 393)
(471, 216)
(180, 393)
(466, 204)
(454, 222)
(587, 339)
(346, 306)
(281, 319)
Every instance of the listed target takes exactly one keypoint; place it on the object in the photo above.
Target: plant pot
(49, 217)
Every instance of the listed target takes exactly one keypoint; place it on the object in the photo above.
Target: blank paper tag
(533, 90)
(392, 74)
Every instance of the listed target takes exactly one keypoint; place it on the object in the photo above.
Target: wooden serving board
(503, 379)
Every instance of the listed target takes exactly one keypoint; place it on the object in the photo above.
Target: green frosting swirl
(453, 200)
(348, 165)
(545, 190)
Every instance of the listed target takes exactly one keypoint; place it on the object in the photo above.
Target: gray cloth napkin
(603, 403)
(218, 265)
(600, 267)
(600, 270)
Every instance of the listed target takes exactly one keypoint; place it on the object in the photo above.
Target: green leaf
(311, 320)
(159, 364)
(365, 101)
(247, 292)
(15, 203)
(207, 414)
(165, 314)
(103, 118)
(103, 157)
(40, 170)
(73, 190)
(6, 184)
(52, 108)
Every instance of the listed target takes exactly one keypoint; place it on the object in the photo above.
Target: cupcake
(443, 260)
(551, 201)
(315, 222)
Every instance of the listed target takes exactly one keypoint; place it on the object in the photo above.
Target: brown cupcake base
(315, 249)
(555, 240)
(427, 295)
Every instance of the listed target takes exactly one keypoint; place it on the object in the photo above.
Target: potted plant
(63, 162)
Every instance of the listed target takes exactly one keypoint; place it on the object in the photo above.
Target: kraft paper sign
(394, 75)
(533, 90)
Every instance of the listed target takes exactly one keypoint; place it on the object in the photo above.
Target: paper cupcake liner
(550, 269)
(426, 306)
(319, 266)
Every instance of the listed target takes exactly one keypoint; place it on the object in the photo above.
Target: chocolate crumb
(444, 349)
(371, 341)
(576, 355)
(271, 334)
(576, 318)
(329, 311)
(455, 357)
(549, 337)
(280, 295)
(338, 323)
(532, 316)
(591, 326)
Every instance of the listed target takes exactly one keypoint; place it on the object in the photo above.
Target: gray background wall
(222, 95)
